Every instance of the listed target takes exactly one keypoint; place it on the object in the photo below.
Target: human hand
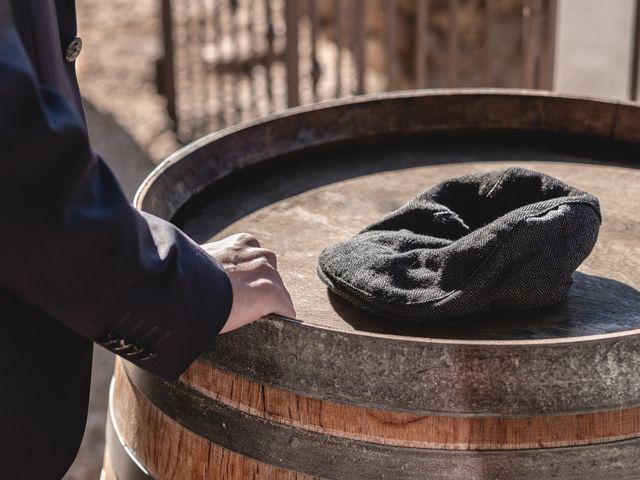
(257, 286)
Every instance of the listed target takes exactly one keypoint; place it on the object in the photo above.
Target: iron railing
(226, 61)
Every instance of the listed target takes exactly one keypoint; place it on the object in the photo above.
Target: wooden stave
(395, 428)
(368, 461)
(156, 444)
(119, 461)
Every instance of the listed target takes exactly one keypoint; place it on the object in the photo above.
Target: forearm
(72, 246)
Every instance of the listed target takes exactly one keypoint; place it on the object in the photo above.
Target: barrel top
(299, 196)
(300, 209)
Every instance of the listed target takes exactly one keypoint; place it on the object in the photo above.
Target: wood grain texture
(483, 395)
(170, 452)
(298, 207)
(328, 200)
(407, 430)
(107, 470)
(383, 116)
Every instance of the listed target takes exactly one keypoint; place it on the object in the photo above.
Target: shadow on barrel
(259, 186)
(594, 305)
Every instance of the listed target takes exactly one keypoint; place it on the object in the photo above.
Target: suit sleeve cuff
(165, 330)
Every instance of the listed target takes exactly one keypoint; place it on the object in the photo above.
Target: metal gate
(226, 61)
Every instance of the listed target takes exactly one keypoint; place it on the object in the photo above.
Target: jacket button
(73, 50)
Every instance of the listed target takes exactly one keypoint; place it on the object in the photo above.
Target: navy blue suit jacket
(77, 263)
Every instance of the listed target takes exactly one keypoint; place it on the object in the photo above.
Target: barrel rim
(172, 160)
(560, 342)
(169, 161)
(360, 99)
(434, 378)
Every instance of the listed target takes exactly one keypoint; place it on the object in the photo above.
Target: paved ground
(131, 164)
(129, 129)
(116, 70)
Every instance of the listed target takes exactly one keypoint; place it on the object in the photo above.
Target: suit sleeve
(71, 245)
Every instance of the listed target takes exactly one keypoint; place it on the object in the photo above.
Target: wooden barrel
(552, 393)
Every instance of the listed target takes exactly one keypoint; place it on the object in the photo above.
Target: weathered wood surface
(179, 433)
(382, 117)
(408, 430)
(300, 209)
(170, 452)
(342, 396)
(313, 202)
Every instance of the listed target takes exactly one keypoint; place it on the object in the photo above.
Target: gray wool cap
(507, 239)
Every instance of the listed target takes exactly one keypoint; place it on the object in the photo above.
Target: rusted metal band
(336, 458)
(431, 377)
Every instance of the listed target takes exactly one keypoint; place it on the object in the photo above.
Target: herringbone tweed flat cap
(508, 239)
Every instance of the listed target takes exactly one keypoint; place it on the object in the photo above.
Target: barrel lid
(314, 176)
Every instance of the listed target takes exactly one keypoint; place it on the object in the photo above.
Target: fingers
(285, 293)
(246, 239)
(261, 253)
(282, 303)
(258, 288)
(274, 295)
(286, 308)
